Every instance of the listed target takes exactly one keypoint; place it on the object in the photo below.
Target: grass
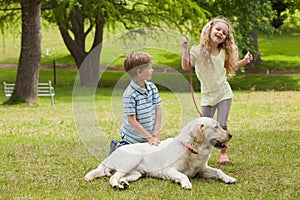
(279, 51)
(259, 82)
(43, 155)
(266, 82)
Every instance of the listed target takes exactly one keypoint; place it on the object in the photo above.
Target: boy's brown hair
(135, 61)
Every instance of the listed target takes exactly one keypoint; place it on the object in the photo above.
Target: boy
(142, 112)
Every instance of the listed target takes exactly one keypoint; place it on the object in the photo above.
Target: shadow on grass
(266, 82)
(277, 65)
(278, 82)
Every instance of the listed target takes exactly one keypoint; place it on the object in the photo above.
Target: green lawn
(45, 151)
(45, 154)
(279, 51)
(109, 79)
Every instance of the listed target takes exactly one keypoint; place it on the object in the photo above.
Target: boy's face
(146, 73)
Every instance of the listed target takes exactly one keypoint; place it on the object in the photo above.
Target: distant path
(161, 69)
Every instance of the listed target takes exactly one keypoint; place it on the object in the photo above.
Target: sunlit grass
(43, 157)
(279, 51)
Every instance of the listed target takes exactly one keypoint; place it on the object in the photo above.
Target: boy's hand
(153, 140)
(157, 135)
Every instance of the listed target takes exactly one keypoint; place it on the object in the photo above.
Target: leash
(191, 84)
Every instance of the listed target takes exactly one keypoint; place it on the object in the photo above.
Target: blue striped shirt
(142, 103)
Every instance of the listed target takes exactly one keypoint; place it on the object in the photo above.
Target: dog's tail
(98, 172)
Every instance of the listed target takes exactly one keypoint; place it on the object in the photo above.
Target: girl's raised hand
(248, 57)
(185, 42)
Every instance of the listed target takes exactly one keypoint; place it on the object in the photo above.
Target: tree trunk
(89, 75)
(29, 62)
(257, 59)
(89, 70)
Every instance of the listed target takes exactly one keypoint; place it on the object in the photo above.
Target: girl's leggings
(223, 111)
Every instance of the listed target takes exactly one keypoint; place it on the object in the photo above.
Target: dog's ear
(199, 137)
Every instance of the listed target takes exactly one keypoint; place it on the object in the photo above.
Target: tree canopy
(281, 10)
(77, 19)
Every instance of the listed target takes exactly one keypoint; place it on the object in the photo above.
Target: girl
(215, 58)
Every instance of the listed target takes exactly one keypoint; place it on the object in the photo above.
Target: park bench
(44, 90)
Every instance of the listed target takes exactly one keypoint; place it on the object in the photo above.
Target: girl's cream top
(213, 79)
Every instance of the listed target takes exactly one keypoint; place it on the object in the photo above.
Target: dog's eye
(216, 126)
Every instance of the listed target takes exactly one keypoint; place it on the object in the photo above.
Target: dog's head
(207, 130)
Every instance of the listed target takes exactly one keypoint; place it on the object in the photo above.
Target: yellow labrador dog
(175, 159)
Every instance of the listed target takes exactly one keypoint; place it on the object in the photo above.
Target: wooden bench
(44, 90)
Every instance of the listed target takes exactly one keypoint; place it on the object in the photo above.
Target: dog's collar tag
(189, 148)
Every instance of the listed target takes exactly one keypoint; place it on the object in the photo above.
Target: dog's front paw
(92, 175)
(187, 185)
(88, 177)
(230, 180)
(122, 185)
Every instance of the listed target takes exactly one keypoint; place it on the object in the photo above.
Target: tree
(29, 61)
(283, 9)
(279, 6)
(77, 19)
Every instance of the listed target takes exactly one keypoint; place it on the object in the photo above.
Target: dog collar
(189, 148)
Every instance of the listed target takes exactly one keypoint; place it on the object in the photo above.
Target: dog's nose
(230, 136)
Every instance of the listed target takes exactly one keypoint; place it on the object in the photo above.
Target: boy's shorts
(114, 144)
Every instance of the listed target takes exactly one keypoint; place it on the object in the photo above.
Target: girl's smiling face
(218, 32)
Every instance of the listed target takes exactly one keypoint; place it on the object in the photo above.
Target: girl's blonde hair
(228, 45)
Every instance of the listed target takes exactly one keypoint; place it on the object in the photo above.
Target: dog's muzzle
(218, 144)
